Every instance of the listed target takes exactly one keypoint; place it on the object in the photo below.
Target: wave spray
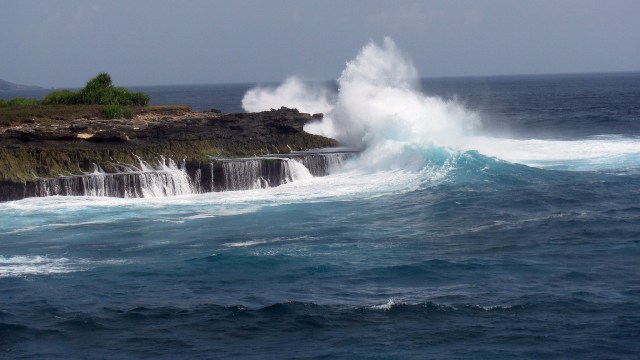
(378, 106)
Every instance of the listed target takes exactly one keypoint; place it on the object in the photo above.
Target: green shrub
(100, 91)
(87, 97)
(112, 112)
(127, 113)
(115, 111)
(62, 97)
(101, 81)
(122, 96)
(2, 102)
(139, 99)
(114, 95)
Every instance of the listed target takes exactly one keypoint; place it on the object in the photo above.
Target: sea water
(506, 225)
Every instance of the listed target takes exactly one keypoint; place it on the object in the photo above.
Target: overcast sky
(62, 43)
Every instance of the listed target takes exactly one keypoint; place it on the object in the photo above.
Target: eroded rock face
(65, 148)
(261, 126)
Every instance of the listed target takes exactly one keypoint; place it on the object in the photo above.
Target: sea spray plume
(379, 99)
(379, 106)
(293, 93)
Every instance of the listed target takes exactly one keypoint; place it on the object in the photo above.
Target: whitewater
(481, 218)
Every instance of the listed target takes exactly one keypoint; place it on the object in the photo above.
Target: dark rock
(285, 129)
(79, 127)
(39, 134)
(109, 136)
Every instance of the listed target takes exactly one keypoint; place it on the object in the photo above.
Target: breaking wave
(380, 107)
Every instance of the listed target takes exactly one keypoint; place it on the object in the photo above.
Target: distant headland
(6, 86)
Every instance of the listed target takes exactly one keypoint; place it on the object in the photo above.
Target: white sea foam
(599, 152)
(388, 305)
(250, 243)
(56, 212)
(18, 266)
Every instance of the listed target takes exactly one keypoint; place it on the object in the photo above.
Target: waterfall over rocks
(261, 173)
(245, 174)
(145, 180)
(324, 163)
(167, 178)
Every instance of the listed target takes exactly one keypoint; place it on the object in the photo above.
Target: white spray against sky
(379, 106)
(378, 99)
(293, 93)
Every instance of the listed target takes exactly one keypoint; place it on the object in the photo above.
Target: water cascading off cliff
(265, 171)
(144, 180)
(166, 178)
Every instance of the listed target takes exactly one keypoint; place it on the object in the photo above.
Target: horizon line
(334, 80)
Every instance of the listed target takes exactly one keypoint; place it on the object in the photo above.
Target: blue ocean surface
(523, 243)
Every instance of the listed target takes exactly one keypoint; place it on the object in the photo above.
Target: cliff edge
(49, 148)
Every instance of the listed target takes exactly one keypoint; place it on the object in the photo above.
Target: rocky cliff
(36, 150)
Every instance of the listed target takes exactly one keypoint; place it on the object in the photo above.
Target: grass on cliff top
(12, 115)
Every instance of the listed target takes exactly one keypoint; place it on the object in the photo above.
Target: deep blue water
(466, 256)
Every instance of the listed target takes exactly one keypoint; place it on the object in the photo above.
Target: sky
(63, 43)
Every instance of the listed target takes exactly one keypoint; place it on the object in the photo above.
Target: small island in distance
(71, 133)
(9, 86)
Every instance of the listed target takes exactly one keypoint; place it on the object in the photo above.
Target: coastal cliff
(37, 149)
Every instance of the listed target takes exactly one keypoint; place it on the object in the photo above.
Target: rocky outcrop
(33, 150)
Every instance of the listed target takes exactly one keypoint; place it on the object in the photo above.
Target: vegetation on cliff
(99, 93)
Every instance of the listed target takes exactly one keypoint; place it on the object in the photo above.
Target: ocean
(518, 237)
